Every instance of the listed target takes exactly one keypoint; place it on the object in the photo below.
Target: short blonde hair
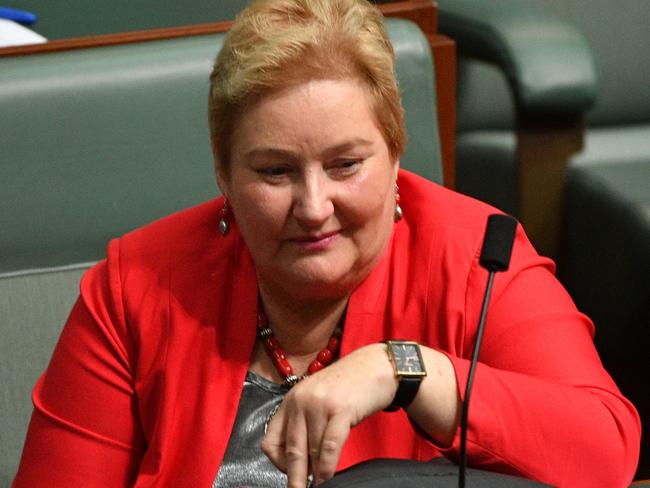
(277, 43)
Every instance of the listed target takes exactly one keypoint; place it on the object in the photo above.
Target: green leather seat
(606, 246)
(496, 82)
(97, 142)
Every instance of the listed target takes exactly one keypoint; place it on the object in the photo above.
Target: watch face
(407, 358)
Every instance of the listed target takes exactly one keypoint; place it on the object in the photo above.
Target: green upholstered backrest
(99, 141)
(619, 36)
(415, 74)
(74, 18)
(96, 142)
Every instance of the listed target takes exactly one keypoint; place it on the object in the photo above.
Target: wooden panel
(115, 39)
(544, 145)
(423, 12)
(444, 55)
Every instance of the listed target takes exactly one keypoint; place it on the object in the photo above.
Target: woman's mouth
(316, 242)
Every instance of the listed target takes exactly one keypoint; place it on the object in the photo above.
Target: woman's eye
(347, 166)
(274, 171)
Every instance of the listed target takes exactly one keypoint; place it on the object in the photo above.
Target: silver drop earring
(398, 210)
(224, 226)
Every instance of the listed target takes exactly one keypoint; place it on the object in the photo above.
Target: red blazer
(144, 384)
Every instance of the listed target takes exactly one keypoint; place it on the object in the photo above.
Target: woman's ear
(221, 179)
(396, 165)
(222, 182)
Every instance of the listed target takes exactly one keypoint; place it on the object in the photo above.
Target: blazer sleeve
(84, 429)
(542, 405)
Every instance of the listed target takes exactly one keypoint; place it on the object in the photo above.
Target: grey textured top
(244, 464)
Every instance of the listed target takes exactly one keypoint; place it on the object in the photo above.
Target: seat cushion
(33, 309)
(621, 156)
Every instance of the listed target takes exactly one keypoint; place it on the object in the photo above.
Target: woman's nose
(313, 201)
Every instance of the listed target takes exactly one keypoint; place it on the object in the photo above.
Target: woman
(192, 338)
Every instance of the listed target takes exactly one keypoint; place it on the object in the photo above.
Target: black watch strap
(409, 370)
(406, 391)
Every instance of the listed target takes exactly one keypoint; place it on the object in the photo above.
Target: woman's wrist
(436, 407)
(390, 379)
(380, 372)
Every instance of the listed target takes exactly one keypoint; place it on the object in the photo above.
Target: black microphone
(497, 243)
(495, 256)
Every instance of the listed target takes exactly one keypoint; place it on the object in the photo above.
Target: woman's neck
(302, 329)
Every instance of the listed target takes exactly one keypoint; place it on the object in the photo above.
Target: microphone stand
(495, 256)
(470, 378)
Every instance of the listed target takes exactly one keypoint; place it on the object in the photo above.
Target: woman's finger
(334, 436)
(274, 442)
(317, 420)
(296, 450)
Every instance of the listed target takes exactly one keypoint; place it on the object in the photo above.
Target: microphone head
(497, 243)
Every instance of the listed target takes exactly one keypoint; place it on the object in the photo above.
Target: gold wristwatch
(409, 370)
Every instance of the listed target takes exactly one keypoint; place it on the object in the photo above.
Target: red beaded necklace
(272, 346)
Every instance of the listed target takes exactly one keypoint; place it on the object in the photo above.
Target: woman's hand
(315, 418)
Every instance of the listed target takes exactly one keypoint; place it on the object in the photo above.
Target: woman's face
(311, 185)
